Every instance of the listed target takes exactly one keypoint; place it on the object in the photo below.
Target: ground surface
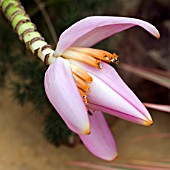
(23, 147)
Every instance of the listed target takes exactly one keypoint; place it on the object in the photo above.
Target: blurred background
(33, 136)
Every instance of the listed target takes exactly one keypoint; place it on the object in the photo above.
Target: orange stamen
(81, 73)
(82, 57)
(89, 56)
(96, 53)
(80, 83)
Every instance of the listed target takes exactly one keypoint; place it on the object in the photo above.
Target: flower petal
(91, 30)
(103, 96)
(100, 141)
(109, 77)
(65, 97)
(125, 116)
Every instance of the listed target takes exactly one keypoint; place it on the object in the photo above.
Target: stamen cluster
(90, 56)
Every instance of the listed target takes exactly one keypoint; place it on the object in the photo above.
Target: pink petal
(109, 76)
(65, 97)
(91, 30)
(106, 99)
(100, 141)
(125, 116)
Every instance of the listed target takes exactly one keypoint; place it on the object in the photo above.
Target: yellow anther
(83, 95)
(114, 59)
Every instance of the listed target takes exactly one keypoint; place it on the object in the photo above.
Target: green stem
(27, 31)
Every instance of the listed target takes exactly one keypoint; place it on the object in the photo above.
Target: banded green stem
(27, 31)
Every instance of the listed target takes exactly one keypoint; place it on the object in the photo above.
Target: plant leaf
(161, 107)
(137, 164)
(158, 76)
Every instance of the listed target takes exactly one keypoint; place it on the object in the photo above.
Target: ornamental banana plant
(79, 82)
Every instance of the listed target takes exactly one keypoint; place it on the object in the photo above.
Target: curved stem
(27, 31)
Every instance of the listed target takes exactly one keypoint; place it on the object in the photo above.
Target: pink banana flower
(81, 84)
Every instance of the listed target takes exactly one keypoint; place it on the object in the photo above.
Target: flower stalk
(27, 31)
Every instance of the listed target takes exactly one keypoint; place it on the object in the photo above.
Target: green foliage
(57, 132)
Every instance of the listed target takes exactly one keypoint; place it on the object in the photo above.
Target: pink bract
(91, 30)
(64, 96)
(100, 141)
